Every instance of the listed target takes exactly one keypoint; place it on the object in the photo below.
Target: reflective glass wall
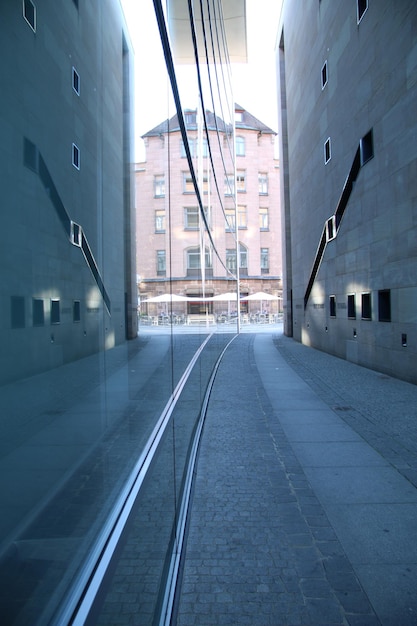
(102, 401)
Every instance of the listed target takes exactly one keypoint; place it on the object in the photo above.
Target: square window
(327, 151)
(75, 156)
(55, 312)
(351, 306)
(366, 306)
(29, 13)
(384, 305)
(332, 306)
(191, 218)
(75, 81)
(38, 313)
(362, 8)
(76, 311)
(324, 75)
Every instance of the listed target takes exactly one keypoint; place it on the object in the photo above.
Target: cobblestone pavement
(267, 544)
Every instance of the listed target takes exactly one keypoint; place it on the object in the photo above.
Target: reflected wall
(99, 422)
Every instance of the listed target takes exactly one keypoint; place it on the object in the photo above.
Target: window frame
(75, 81)
(265, 260)
(263, 183)
(327, 150)
(240, 146)
(263, 217)
(351, 306)
(241, 181)
(159, 186)
(160, 216)
(229, 185)
(360, 10)
(76, 157)
(324, 75)
(29, 4)
(55, 311)
(332, 306)
(195, 253)
(190, 212)
(161, 263)
(366, 306)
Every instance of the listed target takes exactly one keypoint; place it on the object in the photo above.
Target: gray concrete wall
(37, 258)
(372, 84)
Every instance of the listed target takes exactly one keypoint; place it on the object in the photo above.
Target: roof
(247, 121)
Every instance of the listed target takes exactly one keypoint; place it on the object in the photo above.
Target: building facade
(348, 94)
(68, 276)
(168, 213)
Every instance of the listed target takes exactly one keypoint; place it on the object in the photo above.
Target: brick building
(169, 235)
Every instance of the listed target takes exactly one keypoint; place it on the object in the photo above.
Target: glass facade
(100, 416)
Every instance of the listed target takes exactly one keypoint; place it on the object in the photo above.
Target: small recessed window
(55, 312)
(362, 8)
(332, 306)
(384, 305)
(76, 311)
(366, 145)
(17, 311)
(76, 234)
(75, 81)
(366, 306)
(351, 306)
(38, 312)
(327, 151)
(331, 228)
(75, 156)
(29, 13)
(324, 75)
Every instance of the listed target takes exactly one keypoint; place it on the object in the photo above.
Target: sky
(254, 83)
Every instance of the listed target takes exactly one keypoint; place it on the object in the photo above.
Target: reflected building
(348, 96)
(68, 274)
(98, 433)
(168, 212)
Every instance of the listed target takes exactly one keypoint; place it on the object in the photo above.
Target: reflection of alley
(70, 439)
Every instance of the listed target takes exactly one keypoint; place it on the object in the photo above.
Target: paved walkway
(305, 503)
